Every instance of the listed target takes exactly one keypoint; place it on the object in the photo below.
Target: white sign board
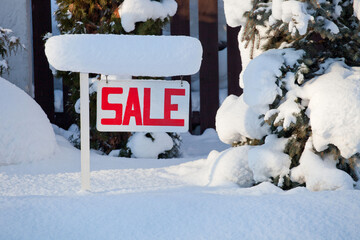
(143, 106)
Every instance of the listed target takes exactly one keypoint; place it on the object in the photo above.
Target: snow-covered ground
(162, 199)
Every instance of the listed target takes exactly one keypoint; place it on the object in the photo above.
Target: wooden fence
(180, 25)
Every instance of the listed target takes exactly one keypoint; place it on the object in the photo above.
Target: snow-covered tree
(8, 44)
(140, 17)
(301, 101)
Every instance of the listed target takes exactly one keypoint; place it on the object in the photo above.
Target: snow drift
(26, 134)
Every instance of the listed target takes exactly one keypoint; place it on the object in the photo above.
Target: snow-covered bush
(303, 84)
(149, 145)
(26, 134)
(140, 17)
(8, 44)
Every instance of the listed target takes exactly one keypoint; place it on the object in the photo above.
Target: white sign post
(84, 131)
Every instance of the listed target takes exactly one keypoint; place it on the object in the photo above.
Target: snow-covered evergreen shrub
(150, 145)
(304, 84)
(8, 44)
(141, 17)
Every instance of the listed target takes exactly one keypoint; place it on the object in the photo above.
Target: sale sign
(143, 106)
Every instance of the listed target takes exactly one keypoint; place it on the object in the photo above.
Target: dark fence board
(234, 61)
(180, 22)
(180, 25)
(43, 79)
(209, 71)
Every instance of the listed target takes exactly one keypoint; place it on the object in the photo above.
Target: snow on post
(85, 134)
(156, 56)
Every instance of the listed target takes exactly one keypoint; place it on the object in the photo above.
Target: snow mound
(269, 160)
(225, 168)
(230, 166)
(319, 174)
(134, 55)
(235, 120)
(334, 109)
(149, 145)
(26, 134)
(133, 11)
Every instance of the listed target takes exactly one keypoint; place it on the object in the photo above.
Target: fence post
(209, 71)
(43, 79)
(180, 22)
(234, 61)
(180, 25)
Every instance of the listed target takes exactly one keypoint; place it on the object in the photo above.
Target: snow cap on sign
(157, 56)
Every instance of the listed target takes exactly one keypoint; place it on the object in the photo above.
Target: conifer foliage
(98, 16)
(8, 44)
(324, 29)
